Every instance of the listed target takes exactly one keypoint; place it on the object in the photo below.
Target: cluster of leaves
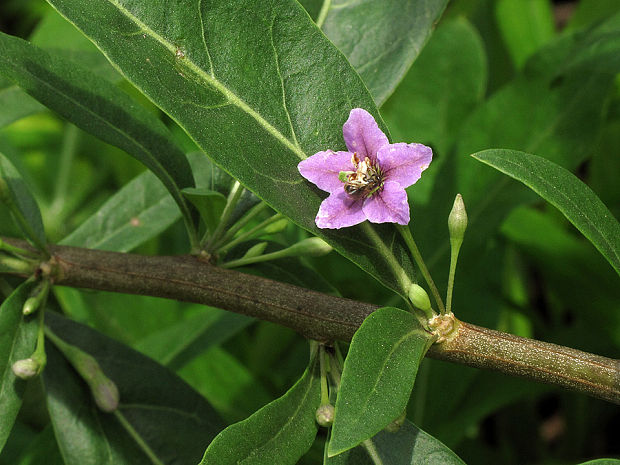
(257, 93)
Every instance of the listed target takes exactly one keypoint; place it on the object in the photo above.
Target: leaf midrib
(395, 346)
(213, 81)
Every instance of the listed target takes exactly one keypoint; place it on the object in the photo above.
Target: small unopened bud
(457, 222)
(103, 389)
(276, 226)
(419, 297)
(256, 250)
(26, 369)
(37, 298)
(311, 247)
(30, 306)
(325, 415)
(105, 393)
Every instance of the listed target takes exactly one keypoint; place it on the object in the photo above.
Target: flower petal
(323, 169)
(340, 210)
(404, 163)
(362, 134)
(388, 206)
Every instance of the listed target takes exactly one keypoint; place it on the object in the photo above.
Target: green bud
(256, 250)
(311, 247)
(457, 222)
(276, 227)
(419, 297)
(325, 415)
(102, 388)
(31, 305)
(27, 368)
(37, 298)
(105, 393)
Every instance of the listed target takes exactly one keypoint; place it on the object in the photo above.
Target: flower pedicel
(368, 182)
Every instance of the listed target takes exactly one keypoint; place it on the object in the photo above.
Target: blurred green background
(492, 75)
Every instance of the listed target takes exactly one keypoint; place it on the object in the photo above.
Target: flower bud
(26, 369)
(325, 415)
(457, 221)
(311, 247)
(419, 297)
(256, 250)
(38, 297)
(31, 305)
(105, 393)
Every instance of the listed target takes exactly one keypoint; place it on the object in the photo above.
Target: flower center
(365, 181)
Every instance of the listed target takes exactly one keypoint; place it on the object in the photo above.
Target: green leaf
(525, 26)
(258, 93)
(209, 203)
(97, 106)
(564, 191)
(408, 446)
(160, 418)
(281, 432)
(380, 39)
(16, 195)
(138, 212)
(18, 336)
(378, 376)
(15, 103)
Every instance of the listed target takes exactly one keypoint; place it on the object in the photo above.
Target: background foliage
(492, 75)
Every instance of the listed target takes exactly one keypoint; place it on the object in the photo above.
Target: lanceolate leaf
(281, 432)
(17, 341)
(160, 419)
(258, 92)
(378, 376)
(566, 192)
(97, 106)
(380, 39)
(139, 211)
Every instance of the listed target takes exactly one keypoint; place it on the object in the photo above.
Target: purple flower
(368, 182)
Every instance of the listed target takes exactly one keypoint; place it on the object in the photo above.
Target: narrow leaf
(160, 418)
(139, 211)
(97, 106)
(566, 192)
(281, 432)
(380, 39)
(16, 195)
(18, 335)
(258, 93)
(378, 376)
(407, 446)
